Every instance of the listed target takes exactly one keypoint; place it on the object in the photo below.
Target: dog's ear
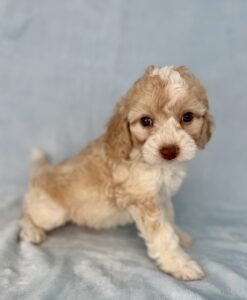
(206, 131)
(117, 136)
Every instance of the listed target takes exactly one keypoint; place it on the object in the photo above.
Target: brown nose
(169, 152)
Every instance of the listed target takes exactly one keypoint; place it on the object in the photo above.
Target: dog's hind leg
(41, 211)
(30, 232)
(40, 215)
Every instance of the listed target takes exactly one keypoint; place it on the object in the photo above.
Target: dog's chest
(156, 178)
(172, 177)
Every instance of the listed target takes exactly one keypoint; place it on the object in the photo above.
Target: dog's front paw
(180, 265)
(191, 270)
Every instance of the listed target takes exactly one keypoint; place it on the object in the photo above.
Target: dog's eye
(187, 117)
(146, 121)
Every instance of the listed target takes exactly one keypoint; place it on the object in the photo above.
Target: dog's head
(164, 116)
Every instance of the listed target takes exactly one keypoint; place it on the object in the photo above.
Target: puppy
(129, 173)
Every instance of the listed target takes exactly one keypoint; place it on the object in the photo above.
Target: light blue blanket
(63, 64)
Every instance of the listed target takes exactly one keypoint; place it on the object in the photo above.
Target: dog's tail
(39, 160)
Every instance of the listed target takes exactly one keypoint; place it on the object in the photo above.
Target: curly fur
(121, 177)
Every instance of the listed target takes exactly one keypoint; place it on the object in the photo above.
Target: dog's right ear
(117, 137)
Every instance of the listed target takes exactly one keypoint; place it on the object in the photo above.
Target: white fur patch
(167, 73)
(176, 87)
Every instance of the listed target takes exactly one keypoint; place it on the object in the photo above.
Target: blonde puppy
(129, 173)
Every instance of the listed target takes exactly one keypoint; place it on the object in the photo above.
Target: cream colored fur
(122, 177)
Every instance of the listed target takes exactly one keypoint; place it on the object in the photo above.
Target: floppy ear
(206, 131)
(117, 136)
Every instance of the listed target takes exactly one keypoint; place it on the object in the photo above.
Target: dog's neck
(168, 174)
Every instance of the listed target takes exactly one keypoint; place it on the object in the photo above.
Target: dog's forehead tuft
(168, 73)
(176, 86)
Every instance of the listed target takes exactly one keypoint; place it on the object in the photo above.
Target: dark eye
(146, 121)
(187, 117)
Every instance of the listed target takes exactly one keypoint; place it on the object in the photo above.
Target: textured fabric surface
(63, 64)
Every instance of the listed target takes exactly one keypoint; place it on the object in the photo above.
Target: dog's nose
(169, 152)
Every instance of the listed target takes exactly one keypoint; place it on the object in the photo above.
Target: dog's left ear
(117, 136)
(206, 131)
